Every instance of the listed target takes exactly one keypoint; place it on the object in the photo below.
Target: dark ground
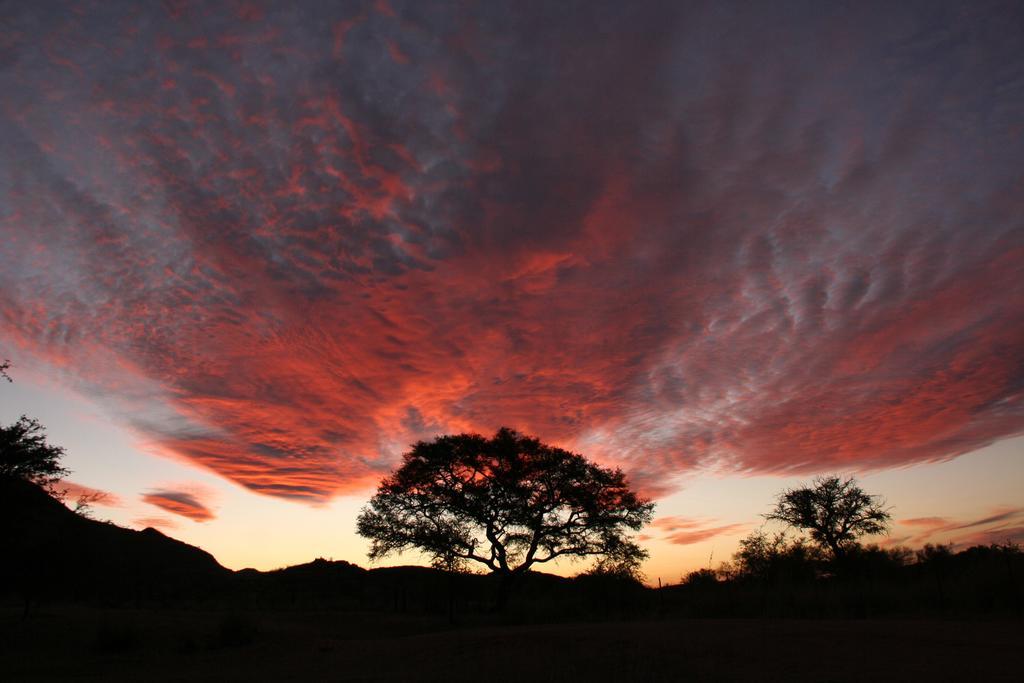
(90, 644)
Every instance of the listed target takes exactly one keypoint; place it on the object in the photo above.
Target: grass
(90, 644)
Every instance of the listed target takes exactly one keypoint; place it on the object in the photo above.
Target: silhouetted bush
(701, 578)
(775, 559)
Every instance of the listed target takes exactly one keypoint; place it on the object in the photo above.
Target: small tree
(25, 454)
(4, 367)
(507, 503)
(834, 511)
(85, 501)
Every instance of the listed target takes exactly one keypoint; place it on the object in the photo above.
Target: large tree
(834, 511)
(507, 503)
(25, 454)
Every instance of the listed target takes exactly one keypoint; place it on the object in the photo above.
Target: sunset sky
(250, 252)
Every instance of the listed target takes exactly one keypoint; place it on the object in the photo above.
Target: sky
(253, 251)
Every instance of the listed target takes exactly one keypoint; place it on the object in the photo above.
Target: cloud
(926, 522)
(996, 536)
(998, 516)
(183, 503)
(686, 531)
(1003, 524)
(94, 497)
(699, 535)
(283, 245)
(155, 523)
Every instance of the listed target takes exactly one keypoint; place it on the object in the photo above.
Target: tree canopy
(835, 512)
(506, 503)
(25, 453)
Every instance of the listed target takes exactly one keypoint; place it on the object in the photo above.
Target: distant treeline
(789, 579)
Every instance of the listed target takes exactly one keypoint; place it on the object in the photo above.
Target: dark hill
(51, 551)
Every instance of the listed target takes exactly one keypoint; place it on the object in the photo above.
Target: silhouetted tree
(25, 454)
(4, 367)
(85, 501)
(834, 511)
(507, 503)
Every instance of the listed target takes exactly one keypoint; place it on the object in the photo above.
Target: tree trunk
(451, 596)
(837, 551)
(506, 581)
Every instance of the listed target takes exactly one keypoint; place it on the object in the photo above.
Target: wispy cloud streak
(687, 531)
(1003, 524)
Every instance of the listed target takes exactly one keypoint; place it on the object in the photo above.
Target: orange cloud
(926, 522)
(183, 503)
(155, 522)
(686, 531)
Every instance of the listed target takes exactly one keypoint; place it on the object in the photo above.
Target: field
(89, 644)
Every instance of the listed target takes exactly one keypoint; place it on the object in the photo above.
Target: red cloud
(181, 503)
(279, 253)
